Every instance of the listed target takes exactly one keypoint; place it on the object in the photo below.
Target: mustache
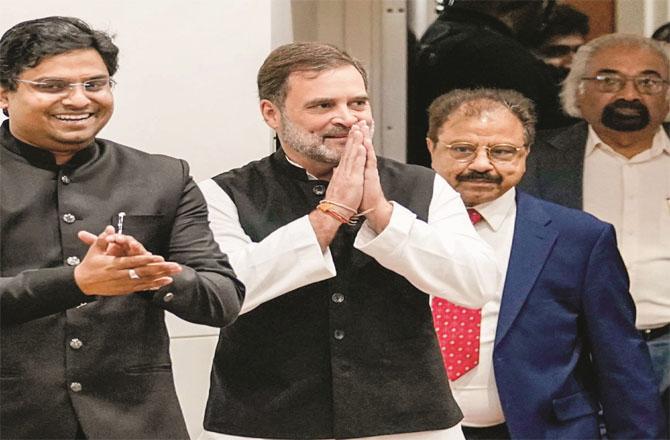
(477, 176)
(628, 105)
(636, 115)
(336, 132)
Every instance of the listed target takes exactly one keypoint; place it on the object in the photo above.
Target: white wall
(186, 88)
(641, 17)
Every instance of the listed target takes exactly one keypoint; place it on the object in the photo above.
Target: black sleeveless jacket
(352, 356)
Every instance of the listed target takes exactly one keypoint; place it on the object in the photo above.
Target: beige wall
(641, 16)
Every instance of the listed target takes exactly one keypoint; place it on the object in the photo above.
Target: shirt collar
(495, 211)
(40, 157)
(295, 164)
(659, 145)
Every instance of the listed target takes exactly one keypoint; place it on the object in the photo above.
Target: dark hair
(300, 57)
(564, 20)
(27, 43)
(490, 7)
(473, 101)
(662, 33)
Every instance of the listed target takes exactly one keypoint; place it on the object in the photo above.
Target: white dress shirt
(442, 255)
(476, 392)
(634, 195)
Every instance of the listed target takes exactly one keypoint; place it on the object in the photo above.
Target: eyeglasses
(60, 86)
(467, 152)
(613, 82)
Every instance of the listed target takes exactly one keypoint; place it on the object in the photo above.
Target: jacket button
(75, 343)
(65, 179)
(75, 386)
(168, 297)
(338, 334)
(337, 297)
(72, 261)
(319, 190)
(69, 218)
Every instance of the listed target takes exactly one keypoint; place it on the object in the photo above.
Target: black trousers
(489, 433)
(80, 433)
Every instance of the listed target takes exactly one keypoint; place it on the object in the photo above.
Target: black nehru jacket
(102, 363)
(352, 356)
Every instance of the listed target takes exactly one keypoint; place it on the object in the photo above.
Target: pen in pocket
(119, 224)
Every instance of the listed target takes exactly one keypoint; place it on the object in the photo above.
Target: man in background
(564, 33)
(85, 351)
(558, 340)
(480, 43)
(616, 166)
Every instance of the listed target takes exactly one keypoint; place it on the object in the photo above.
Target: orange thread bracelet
(327, 208)
(339, 205)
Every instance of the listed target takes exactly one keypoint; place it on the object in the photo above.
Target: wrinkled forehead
(483, 110)
(478, 118)
(629, 59)
(338, 81)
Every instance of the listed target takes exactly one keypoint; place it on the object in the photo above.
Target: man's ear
(4, 100)
(271, 113)
(430, 146)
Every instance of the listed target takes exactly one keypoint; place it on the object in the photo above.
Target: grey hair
(473, 101)
(573, 83)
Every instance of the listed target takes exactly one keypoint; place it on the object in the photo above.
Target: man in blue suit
(558, 342)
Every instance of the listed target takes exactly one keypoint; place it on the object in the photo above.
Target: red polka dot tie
(458, 330)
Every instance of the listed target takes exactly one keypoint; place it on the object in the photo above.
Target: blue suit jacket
(566, 342)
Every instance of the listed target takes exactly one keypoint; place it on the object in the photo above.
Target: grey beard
(308, 144)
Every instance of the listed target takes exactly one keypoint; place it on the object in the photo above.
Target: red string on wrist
(327, 208)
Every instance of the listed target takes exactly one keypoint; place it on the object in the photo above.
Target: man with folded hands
(340, 251)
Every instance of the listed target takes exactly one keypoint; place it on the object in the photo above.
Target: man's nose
(345, 117)
(76, 96)
(481, 162)
(629, 91)
(567, 61)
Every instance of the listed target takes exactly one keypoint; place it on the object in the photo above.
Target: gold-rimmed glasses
(467, 151)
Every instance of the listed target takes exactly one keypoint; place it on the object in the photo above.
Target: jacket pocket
(573, 406)
(9, 373)
(149, 229)
(148, 369)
